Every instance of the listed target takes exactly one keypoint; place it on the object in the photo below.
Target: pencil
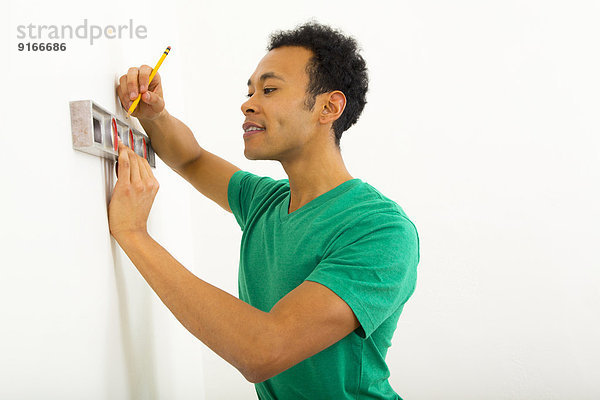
(137, 100)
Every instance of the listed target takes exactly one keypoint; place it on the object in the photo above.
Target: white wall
(482, 123)
(78, 320)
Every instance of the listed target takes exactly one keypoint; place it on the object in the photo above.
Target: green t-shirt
(353, 240)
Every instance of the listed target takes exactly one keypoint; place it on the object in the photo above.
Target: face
(276, 106)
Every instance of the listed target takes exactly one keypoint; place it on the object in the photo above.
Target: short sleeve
(245, 192)
(372, 266)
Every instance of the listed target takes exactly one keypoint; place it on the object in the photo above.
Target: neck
(315, 170)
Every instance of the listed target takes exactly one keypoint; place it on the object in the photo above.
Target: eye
(265, 91)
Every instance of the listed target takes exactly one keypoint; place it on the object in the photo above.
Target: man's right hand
(134, 82)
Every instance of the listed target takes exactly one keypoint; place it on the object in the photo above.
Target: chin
(252, 155)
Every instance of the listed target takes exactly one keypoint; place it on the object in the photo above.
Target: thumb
(153, 100)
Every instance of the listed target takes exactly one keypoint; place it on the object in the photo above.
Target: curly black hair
(336, 65)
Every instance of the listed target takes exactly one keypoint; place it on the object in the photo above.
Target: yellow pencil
(137, 100)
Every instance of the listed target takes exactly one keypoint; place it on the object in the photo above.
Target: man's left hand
(133, 194)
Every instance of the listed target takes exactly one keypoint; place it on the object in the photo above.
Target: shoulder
(249, 193)
(252, 184)
(364, 216)
(248, 178)
(367, 205)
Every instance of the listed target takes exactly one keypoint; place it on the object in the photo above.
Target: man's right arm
(172, 140)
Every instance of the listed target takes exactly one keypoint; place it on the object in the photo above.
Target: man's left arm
(259, 344)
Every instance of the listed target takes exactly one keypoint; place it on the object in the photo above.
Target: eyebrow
(265, 76)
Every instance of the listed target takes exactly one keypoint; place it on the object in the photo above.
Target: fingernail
(142, 88)
(132, 95)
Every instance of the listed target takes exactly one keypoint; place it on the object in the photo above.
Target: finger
(148, 169)
(132, 83)
(143, 171)
(144, 77)
(155, 81)
(134, 171)
(150, 174)
(122, 92)
(123, 163)
(155, 102)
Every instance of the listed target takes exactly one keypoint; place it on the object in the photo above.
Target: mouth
(252, 132)
(251, 128)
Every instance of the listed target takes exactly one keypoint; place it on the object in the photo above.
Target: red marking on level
(131, 140)
(115, 134)
(145, 154)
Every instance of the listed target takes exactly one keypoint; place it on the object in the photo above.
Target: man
(326, 263)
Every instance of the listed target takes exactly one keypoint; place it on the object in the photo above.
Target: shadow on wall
(136, 339)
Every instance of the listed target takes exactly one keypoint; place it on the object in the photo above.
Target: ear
(333, 107)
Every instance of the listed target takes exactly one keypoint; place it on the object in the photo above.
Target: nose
(248, 106)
